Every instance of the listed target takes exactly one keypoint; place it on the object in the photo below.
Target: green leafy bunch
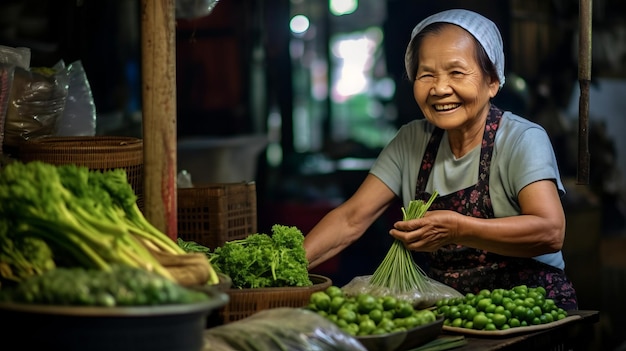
(22, 256)
(261, 260)
(89, 218)
(398, 271)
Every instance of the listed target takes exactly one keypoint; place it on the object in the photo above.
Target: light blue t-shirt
(522, 155)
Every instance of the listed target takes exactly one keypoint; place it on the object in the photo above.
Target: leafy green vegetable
(192, 246)
(22, 257)
(89, 217)
(398, 271)
(262, 260)
(120, 286)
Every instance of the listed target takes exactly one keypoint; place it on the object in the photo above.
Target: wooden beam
(158, 46)
(584, 79)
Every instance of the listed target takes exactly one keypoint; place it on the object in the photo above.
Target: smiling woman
(498, 221)
(451, 89)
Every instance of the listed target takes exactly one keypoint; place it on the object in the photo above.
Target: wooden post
(584, 79)
(158, 42)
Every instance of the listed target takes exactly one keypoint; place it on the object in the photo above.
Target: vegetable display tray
(94, 152)
(69, 328)
(216, 213)
(517, 330)
(246, 302)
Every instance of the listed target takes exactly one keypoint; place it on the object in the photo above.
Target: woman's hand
(538, 230)
(427, 234)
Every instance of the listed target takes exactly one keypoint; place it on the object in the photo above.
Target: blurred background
(300, 97)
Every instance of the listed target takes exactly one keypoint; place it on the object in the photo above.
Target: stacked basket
(94, 152)
(216, 213)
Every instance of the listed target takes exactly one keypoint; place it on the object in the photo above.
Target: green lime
(404, 309)
(321, 300)
(483, 303)
(333, 291)
(336, 303)
(347, 315)
(514, 322)
(499, 320)
(376, 315)
(480, 321)
(390, 302)
(366, 303)
(367, 327)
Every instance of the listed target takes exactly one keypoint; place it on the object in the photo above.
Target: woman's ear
(494, 87)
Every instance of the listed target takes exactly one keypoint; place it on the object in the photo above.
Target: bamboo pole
(159, 113)
(584, 79)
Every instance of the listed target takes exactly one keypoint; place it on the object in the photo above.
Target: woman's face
(450, 88)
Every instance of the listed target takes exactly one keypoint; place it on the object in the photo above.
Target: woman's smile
(445, 107)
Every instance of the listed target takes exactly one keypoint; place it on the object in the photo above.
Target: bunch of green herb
(398, 271)
(87, 217)
(22, 256)
(191, 246)
(261, 260)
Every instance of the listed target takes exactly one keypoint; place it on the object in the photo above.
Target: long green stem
(398, 271)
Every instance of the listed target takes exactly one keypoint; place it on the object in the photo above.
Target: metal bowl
(162, 327)
(403, 340)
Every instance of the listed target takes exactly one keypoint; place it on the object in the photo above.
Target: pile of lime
(365, 314)
(500, 309)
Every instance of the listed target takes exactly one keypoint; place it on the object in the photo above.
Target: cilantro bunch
(261, 260)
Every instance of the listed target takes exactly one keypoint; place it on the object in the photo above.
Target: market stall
(565, 335)
(279, 301)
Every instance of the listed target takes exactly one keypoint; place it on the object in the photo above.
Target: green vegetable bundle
(398, 274)
(22, 256)
(88, 218)
(398, 271)
(261, 260)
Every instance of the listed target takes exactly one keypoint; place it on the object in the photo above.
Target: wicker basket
(214, 214)
(94, 152)
(245, 302)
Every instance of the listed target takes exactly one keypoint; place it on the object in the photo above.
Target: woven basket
(94, 152)
(216, 213)
(245, 302)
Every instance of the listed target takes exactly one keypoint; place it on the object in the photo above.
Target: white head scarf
(483, 29)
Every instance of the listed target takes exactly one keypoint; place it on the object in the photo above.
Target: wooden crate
(216, 213)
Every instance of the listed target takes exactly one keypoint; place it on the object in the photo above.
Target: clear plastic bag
(36, 101)
(283, 328)
(190, 9)
(420, 299)
(18, 57)
(6, 79)
(79, 113)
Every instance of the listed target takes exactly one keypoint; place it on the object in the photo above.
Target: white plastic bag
(420, 299)
(283, 328)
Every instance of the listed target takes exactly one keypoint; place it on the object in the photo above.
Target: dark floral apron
(470, 270)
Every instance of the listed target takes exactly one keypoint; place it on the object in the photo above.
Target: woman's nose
(440, 86)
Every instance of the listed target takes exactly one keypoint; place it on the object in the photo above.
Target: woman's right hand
(429, 233)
